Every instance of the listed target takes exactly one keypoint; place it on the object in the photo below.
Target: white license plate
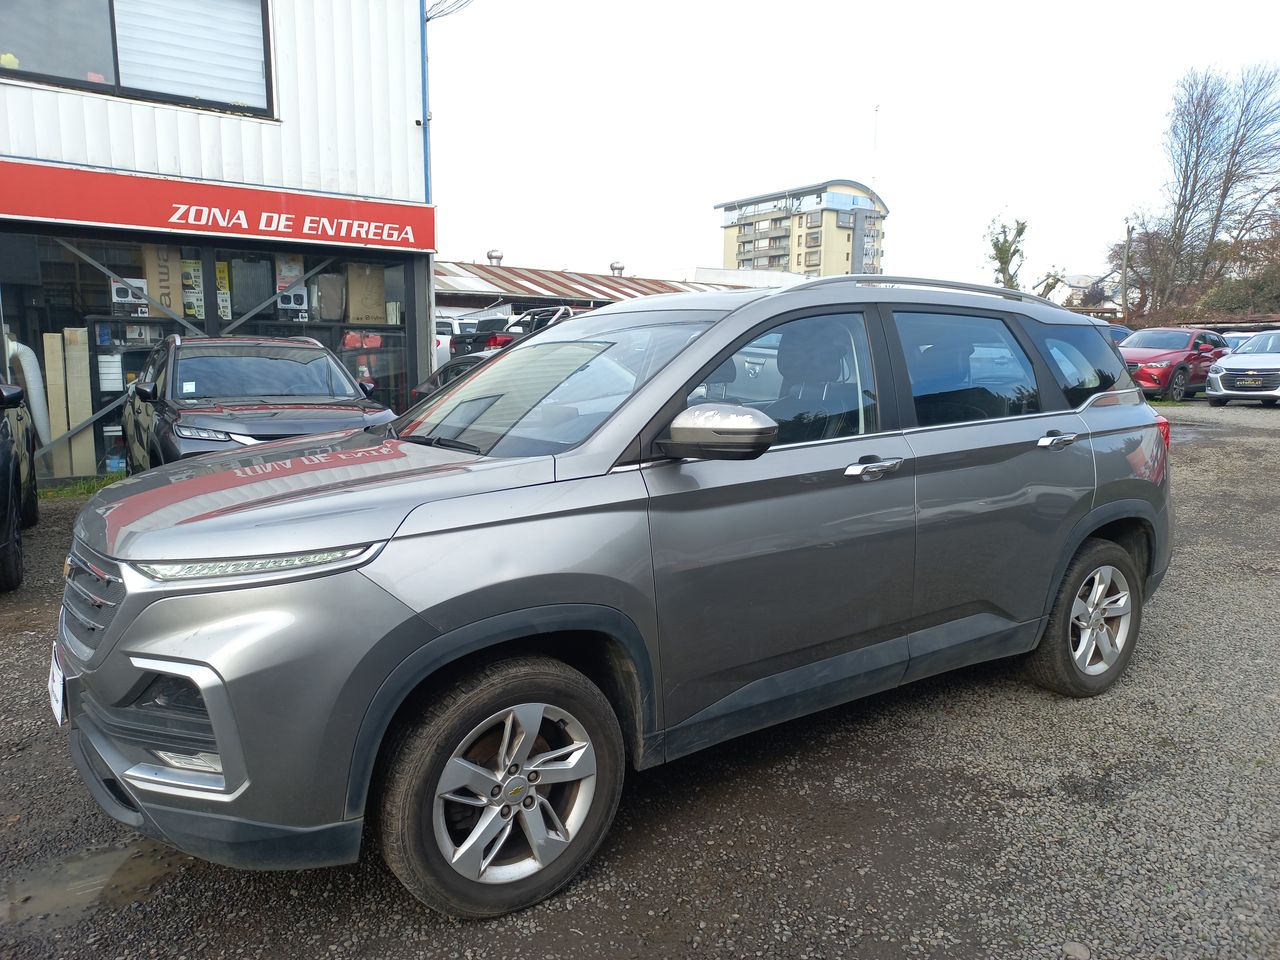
(57, 687)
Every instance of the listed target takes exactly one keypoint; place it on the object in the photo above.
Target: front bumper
(285, 672)
(1151, 381)
(220, 838)
(1217, 390)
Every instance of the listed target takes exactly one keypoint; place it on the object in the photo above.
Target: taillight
(498, 340)
(1163, 425)
(437, 341)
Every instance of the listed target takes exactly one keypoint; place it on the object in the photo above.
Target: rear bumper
(229, 840)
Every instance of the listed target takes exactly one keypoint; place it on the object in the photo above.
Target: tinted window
(813, 376)
(58, 38)
(491, 324)
(1080, 359)
(443, 327)
(259, 371)
(965, 368)
(1159, 340)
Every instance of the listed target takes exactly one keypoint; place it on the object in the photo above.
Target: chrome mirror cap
(719, 431)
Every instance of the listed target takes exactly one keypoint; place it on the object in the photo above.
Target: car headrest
(727, 372)
(811, 351)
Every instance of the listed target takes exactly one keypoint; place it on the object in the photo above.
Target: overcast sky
(570, 133)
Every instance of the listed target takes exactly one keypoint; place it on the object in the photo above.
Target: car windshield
(1261, 343)
(1235, 340)
(1159, 340)
(550, 392)
(228, 371)
(489, 325)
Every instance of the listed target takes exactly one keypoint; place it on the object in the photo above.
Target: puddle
(59, 894)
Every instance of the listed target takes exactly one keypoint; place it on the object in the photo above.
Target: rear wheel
(1094, 624)
(502, 789)
(11, 555)
(1217, 401)
(31, 500)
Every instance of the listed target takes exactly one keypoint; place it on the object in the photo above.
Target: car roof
(305, 342)
(867, 289)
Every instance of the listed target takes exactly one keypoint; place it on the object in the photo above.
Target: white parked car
(1252, 372)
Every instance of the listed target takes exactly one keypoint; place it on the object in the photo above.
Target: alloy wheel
(1178, 386)
(1100, 617)
(514, 793)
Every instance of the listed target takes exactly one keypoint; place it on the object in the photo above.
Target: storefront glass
(82, 314)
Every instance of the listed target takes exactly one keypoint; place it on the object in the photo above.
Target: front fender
(485, 634)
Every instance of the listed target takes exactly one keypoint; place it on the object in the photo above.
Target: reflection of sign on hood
(188, 497)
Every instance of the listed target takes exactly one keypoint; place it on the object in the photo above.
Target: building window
(798, 258)
(813, 239)
(813, 218)
(204, 53)
(813, 258)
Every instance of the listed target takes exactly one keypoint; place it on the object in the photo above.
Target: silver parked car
(1252, 372)
(626, 538)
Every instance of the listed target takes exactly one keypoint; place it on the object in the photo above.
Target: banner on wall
(58, 193)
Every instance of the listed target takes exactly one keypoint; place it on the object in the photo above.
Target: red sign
(61, 194)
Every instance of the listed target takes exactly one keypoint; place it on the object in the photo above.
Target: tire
(1062, 662)
(1177, 389)
(470, 719)
(11, 555)
(1217, 401)
(31, 500)
(1269, 403)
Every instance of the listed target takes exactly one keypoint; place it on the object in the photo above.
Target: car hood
(313, 493)
(1149, 354)
(269, 417)
(1249, 361)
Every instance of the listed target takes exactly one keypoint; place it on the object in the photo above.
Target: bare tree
(1223, 147)
(1006, 251)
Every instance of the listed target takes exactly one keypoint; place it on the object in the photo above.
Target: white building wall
(347, 88)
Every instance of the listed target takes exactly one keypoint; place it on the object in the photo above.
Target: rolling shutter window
(194, 49)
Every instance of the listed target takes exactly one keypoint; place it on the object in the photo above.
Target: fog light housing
(195, 762)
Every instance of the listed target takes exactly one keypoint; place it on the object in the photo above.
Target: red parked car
(1172, 362)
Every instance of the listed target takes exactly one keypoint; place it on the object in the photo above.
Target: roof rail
(873, 279)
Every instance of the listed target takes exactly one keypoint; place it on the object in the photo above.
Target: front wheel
(1177, 389)
(11, 553)
(31, 500)
(502, 789)
(1094, 623)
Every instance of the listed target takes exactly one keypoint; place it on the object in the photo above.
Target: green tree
(1006, 251)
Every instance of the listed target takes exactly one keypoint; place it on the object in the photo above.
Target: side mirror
(719, 431)
(368, 388)
(1207, 348)
(145, 390)
(10, 395)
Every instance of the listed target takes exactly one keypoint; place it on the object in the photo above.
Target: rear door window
(965, 368)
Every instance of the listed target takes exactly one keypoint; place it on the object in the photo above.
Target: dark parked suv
(209, 394)
(628, 537)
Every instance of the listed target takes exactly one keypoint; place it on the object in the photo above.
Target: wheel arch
(600, 642)
(1132, 524)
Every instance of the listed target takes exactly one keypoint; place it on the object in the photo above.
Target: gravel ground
(964, 816)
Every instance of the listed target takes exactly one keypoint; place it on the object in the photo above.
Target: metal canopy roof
(525, 283)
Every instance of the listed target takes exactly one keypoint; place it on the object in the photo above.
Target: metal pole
(1124, 274)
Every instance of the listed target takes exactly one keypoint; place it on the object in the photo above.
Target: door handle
(1057, 441)
(874, 469)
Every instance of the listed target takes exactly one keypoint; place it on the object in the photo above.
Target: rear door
(1003, 472)
(784, 583)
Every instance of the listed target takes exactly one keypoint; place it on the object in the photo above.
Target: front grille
(1262, 381)
(92, 595)
(155, 729)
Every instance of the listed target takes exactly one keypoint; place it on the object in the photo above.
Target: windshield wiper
(448, 443)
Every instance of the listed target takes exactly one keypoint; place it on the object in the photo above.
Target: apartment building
(820, 230)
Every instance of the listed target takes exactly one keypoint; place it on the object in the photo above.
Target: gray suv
(629, 537)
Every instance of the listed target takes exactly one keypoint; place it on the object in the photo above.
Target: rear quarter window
(1081, 358)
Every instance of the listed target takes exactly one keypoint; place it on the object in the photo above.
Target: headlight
(200, 433)
(283, 563)
(1159, 365)
(1215, 369)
